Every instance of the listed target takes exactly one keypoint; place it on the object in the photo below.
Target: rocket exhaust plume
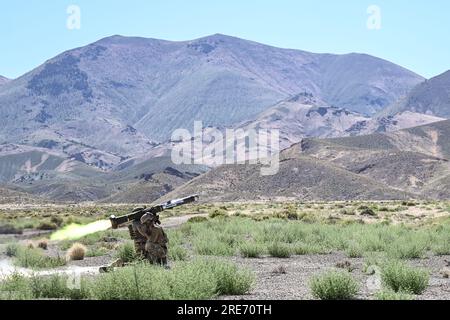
(76, 231)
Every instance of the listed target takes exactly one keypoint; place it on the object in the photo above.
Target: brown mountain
(410, 163)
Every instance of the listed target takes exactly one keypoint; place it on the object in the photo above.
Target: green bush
(218, 213)
(279, 250)
(300, 248)
(15, 287)
(441, 249)
(197, 219)
(96, 252)
(392, 295)
(334, 285)
(407, 249)
(198, 279)
(230, 279)
(11, 249)
(177, 253)
(18, 287)
(399, 277)
(213, 247)
(126, 252)
(58, 287)
(36, 259)
(251, 250)
(354, 250)
(366, 211)
(47, 226)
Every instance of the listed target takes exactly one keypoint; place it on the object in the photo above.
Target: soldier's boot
(115, 264)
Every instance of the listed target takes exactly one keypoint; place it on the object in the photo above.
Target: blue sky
(414, 33)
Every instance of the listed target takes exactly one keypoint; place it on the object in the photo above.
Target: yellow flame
(76, 231)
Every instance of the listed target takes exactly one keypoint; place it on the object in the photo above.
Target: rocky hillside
(429, 97)
(3, 80)
(117, 98)
(411, 163)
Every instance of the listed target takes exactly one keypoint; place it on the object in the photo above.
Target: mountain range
(95, 123)
(410, 163)
(3, 80)
(430, 97)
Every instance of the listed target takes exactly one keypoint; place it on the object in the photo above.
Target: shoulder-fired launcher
(136, 214)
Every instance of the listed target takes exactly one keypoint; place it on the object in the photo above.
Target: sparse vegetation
(392, 295)
(279, 250)
(251, 250)
(384, 242)
(126, 252)
(76, 252)
(199, 279)
(334, 285)
(34, 258)
(400, 277)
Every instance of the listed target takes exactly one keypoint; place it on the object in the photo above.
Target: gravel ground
(294, 284)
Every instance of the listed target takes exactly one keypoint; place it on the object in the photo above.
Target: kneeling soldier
(156, 245)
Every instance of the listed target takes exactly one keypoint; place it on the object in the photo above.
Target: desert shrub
(11, 249)
(408, 203)
(373, 262)
(279, 250)
(213, 247)
(392, 295)
(349, 212)
(251, 250)
(35, 259)
(354, 250)
(334, 285)
(366, 211)
(96, 252)
(76, 252)
(408, 248)
(231, 280)
(57, 287)
(58, 221)
(441, 249)
(372, 242)
(177, 253)
(399, 277)
(15, 287)
(18, 286)
(126, 252)
(10, 229)
(197, 219)
(301, 248)
(198, 279)
(42, 244)
(289, 212)
(218, 213)
(47, 226)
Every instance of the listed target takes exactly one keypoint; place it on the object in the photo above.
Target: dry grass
(76, 252)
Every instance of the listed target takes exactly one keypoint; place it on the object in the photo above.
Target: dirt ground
(294, 283)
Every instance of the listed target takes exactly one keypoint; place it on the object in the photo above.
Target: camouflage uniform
(156, 240)
(136, 235)
(136, 230)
